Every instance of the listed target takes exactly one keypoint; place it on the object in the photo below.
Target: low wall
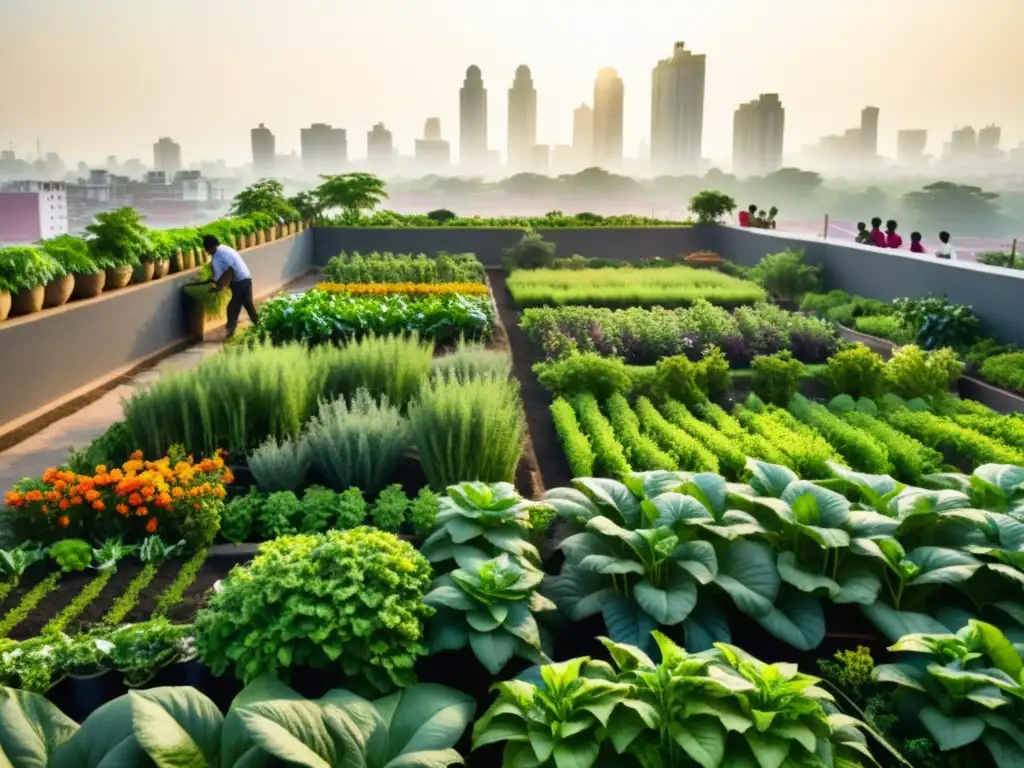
(877, 273)
(487, 244)
(48, 356)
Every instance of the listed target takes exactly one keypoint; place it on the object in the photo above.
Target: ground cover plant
(404, 268)
(552, 220)
(404, 289)
(669, 287)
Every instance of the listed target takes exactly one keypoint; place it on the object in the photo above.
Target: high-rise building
(910, 146)
(989, 138)
(324, 149)
(583, 135)
(869, 132)
(522, 121)
(608, 110)
(757, 134)
(473, 119)
(264, 150)
(433, 153)
(380, 147)
(963, 143)
(677, 111)
(166, 157)
(31, 211)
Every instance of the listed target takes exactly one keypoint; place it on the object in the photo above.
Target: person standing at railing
(892, 240)
(877, 236)
(747, 215)
(863, 236)
(946, 250)
(915, 243)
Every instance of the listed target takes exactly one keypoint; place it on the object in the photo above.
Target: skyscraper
(380, 147)
(910, 146)
(964, 142)
(432, 129)
(677, 111)
(608, 108)
(989, 137)
(432, 152)
(473, 119)
(264, 150)
(324, 149)
(167, 156)
(583, 135)
(757, 134)
(522, 121)
(869, 132)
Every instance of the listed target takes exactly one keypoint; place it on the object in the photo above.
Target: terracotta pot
(58, 292)
(143, 273)
(5, 305)
(27, 302)
(272, 234)
(252, 239)
(160, 268)
(118, 277)
(87, 286)
(261, 237)
(188, 260)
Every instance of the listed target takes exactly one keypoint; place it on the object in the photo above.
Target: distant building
(166, 157)
(33, 210)
(583, 136)
(522, 121)
(380, 147)
(869, 132)
(989, 138)
(910, 145)
(677, 112)
(609, 95)
(264, 151)
(963, 143)
(540, 159)
(433, 154)
(324, 149)
(757, 136)
(473, 119)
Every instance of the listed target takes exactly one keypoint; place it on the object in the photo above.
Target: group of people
(752, 217)
(889, 239)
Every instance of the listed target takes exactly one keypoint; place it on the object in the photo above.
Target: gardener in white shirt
(946, 250)
(229, 269)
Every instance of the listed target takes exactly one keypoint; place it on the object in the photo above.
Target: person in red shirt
(747, 215)
(877, 236)
(892, 240)
(915, 243)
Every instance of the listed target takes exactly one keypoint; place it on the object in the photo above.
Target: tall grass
(472, 360)
(357, 443)
(468, 429)
(241, 397)
(630, 286)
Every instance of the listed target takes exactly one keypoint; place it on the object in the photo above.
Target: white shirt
(225, 257)
(947, 251)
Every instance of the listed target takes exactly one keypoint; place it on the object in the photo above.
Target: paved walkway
(49, 447)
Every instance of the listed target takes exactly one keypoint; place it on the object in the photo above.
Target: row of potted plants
(117, 250)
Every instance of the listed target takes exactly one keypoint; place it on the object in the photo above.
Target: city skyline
(208, 108)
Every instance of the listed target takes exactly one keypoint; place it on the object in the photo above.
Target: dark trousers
(241, 296)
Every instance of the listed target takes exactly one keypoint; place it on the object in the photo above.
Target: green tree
(711, 205)
(306, 203)
(265, 196)
(954, 207)
(352, 192)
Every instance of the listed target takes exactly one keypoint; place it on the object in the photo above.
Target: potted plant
(144, 270)
(164, 247)
(264, 225)
(83, 279)
(117, 241)
(711, 205)
(204, 307)
(24, 274)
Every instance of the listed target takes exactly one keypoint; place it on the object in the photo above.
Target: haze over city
(90, 79)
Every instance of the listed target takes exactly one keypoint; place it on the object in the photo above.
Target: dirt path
(554, 469)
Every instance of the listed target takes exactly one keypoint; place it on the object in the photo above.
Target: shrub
(423, 512)
(728, 452)
(910, 458)
(912, 372)
(711, 205)
(118, 238)
(468, 430)
(677, 378)
(472, 360)
(888, 327)
(1005, 370)
(358, 442)
(685, 452)
(777, 377)
(279, 515)
(236, 521)
(531, 252)
(262, 619)
(642, 453)
(937, 323)
(578, 452)
(860, 449)
(713, 373)
(601, 376)
(785, 276)
(441, 216)
(821, 303)
(71, 253)
(351, 510)
(71, 555)
(280, 466)
(403, 268)
(610, 459)
(23, 268)
(389, 510)
(319, 510)
(855, 371)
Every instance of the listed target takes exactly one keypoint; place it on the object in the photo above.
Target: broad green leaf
(31, 729)
(723, 709)
(697, 558)
(606, 564)
(579, 545)
(579, 593)
(462, 530)
(747, 572)
(177, 727)
(671, 509)
(577, 752)
(482, 621)
(627, 623)
(918, 501)
(705, 626)
(449, 597)
(1006, 725)
(951, 732)
(570, 504)
(521, 623)
(796, 618)
(769, 479)
(613, 498)
(895, 624)
(447, 631)
(607, 527)
(424, 718)
(1006, 477)
(511, 539)
(769, 751)
(106, 739)
(493, 649)
(293, 731)
(709, 489)
(873, 487)
(702, 738)
(942, 566)
(624, 726)
(857, 584)
(438, 758)
(806, 581)
(670, 605)
(1005, 752)
(647, 485)
(999, 649)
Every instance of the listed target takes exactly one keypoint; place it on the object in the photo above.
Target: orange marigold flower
(218, 463)
(151, 525)
(147, 492)
(177, 492)
(98, 505)
(63, 521)
(46, 509)
(136, 456)
(13, 498)
(92, 495)
(64, 504)
(164, 500)
(50, 475)
(59, 485)
(116, 474)
(51, 495)
(122, 509)
(141, 512)
(101, 469)
(135, 500)
(34, 495)
(229, 477)
(219, 492)
(76, 500)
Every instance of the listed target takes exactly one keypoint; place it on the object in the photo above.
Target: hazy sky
(97, 77)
